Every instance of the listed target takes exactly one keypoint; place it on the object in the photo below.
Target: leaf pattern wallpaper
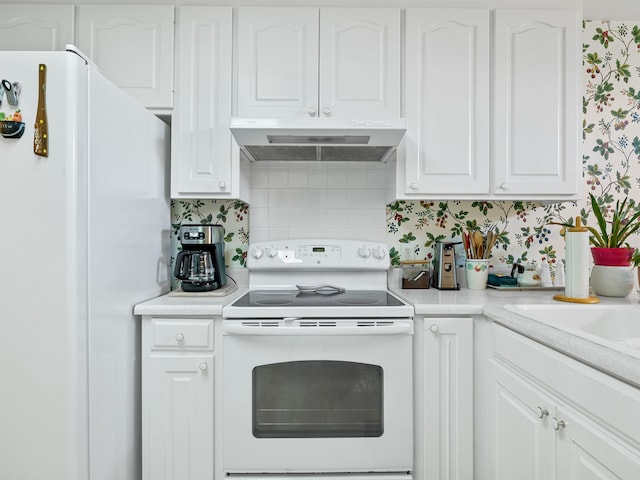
(527, 230)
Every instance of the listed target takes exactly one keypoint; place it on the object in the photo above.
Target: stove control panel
(318, 254)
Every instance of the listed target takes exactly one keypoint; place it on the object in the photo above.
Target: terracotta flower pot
(612, 257)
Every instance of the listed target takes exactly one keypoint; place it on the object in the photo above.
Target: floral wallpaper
(611, 170)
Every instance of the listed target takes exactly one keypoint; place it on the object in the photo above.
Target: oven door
(315, 396)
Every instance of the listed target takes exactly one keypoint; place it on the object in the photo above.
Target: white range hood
(317, 139)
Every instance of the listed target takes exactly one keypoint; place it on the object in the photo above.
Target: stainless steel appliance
(200, 264)
(317, 373)
(444, 266)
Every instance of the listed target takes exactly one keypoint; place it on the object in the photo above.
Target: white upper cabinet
(447, 101)
(133, 47)
(36, 27)
(310, 62)
(203, 163)
(536, 97)
(511, 131)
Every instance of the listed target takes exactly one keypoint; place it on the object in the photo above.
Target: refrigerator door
(43, 301)
(69, 225)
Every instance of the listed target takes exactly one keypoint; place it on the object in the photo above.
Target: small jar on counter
(415, 273)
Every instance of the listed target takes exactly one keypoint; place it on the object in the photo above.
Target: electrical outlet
(408, 253)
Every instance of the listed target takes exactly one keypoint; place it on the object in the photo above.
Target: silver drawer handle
(203, 366)
(179, 337)
(558, 424)
(542, 412)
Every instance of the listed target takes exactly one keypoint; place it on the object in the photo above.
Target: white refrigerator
(83, 237)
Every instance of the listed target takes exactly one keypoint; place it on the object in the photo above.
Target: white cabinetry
(204, 162)
(536, 102)
(36, 27)
(133, 47)
(310, 62)
(177, 398)
(467, 140)
(444, 398)
(447, 101)
(553, 417)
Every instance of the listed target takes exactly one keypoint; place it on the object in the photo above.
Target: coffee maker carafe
(200, 264)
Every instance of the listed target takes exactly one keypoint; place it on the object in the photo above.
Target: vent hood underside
(317, 139)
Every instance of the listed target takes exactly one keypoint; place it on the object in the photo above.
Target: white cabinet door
(536, 95)
(522, 442)
(587, 453)
(178, 418)
(133, 47)
(277, 62)
(360, 63)
(201, 160)
(447, 101)
(447, 442)
(36, 27)
(310, 62)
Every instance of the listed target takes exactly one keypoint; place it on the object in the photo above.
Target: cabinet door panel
(587, 453)
(360, 62)
(448, 404)
(277, 62)
(447, 101)
(536, 102)
(133, 47)
(201, 160)
(523, 444)
(178, 428)
(36, 27)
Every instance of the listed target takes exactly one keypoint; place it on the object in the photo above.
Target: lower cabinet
(177, 398)
(444, 398)
(552, 417)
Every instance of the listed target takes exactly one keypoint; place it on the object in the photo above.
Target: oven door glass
(317, 399)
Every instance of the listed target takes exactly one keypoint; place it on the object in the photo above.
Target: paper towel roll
(577, 262)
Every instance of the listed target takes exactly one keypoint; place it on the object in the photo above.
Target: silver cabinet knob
(558, 424)
(542, 412)
(222, 185)
(326, 111)
(311, 111)
(413, 186)
(179, 337)
(503, 186)
(203, 366)
(434, 328)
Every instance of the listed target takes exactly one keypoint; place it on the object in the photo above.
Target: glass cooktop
(297, 298)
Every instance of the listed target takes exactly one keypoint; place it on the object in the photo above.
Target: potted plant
(609, 239)
(612, 274)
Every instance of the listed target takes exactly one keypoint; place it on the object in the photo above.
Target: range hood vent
(317, 139)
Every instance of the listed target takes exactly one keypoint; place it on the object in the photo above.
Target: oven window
(317, 399)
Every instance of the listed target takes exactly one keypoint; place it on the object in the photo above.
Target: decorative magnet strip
(41, 132)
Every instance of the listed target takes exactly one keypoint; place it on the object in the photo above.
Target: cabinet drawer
(182, 334)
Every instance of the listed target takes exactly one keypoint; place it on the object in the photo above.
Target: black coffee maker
(200, 264)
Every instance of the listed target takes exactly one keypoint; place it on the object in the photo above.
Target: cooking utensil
(41, 127)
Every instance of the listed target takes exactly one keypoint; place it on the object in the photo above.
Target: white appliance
(81, 242)
(317, 369)
(318, 139)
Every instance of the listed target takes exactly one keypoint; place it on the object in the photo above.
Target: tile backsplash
(338, 199)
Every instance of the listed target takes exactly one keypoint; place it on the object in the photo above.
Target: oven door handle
(402, 328)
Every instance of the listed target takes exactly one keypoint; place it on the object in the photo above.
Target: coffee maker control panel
(201, 234)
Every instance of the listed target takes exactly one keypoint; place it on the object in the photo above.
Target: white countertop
(431, 301)
(490, 303)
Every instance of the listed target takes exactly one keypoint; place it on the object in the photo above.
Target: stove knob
(257, 253)
(272, 252)
(379, 253)
(364, 252)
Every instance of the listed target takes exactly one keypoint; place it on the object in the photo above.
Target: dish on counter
(517, 288)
